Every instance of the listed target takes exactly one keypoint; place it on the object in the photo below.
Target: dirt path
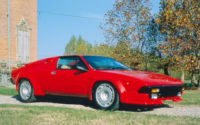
(15, 100)
(192, 111)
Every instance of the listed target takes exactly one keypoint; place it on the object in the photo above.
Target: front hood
(148, 78)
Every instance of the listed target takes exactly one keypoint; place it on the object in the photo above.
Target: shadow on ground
(141, 108)
(85, 102)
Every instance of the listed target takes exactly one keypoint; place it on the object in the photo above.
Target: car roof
(70, 56)
(81, 55)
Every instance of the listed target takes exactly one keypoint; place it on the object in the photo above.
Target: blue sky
(54, 31)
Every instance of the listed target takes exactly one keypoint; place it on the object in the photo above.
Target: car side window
(82, 64)
(69, 62)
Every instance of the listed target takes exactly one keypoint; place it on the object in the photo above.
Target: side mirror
(81, 68)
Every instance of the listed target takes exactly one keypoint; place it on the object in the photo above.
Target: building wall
(3, 29)
(19, 9)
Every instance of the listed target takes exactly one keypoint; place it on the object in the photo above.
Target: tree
(179, 21)
(82, 47)
(125, 27)
(70, 47)
(126, 22)
(123, 53)
(152, 46)
(154, 38)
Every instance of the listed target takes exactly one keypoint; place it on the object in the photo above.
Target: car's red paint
(78, 83)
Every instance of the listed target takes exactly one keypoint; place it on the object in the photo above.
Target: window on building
(23, 42)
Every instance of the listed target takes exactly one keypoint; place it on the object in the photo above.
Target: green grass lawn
(7, 91)
(190, 97)
(45, 115)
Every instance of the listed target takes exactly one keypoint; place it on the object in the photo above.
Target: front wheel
(26, 92)
(105, 96)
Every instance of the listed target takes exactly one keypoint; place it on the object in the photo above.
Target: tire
(26, 92)
(105, 96)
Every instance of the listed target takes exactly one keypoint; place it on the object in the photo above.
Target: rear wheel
(26, 92)
(106, 97)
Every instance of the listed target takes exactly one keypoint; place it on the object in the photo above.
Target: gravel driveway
(192, 111)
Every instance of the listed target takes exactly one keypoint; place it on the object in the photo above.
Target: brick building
(23, 31)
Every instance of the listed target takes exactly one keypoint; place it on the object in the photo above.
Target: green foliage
(81, 47)
(70, 47)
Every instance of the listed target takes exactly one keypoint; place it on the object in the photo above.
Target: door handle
(53, 72)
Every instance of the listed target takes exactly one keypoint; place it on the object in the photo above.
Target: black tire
(111, 96)
(26, 92)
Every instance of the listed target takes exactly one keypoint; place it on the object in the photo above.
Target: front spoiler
(152, 101)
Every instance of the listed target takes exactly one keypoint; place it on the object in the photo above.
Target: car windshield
(104, 63)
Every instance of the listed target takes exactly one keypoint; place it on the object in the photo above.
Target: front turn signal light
(183, 89)
(155, 90)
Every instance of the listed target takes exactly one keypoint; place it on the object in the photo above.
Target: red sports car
(101, 79)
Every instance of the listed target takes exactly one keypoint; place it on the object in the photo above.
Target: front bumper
(143, 96)
(150, 101)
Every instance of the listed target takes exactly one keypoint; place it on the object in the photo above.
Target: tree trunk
(146, 65)
(198, 80)
(198, 83)
(183, 76)
(166, 69)
(193, 78)
(198, 76)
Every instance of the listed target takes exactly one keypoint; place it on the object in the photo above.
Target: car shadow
(85, 102)
(16, 97)
(62, 100)
(141, 108)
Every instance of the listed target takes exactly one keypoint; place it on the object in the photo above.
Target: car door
(43, 73)
(68, 80)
